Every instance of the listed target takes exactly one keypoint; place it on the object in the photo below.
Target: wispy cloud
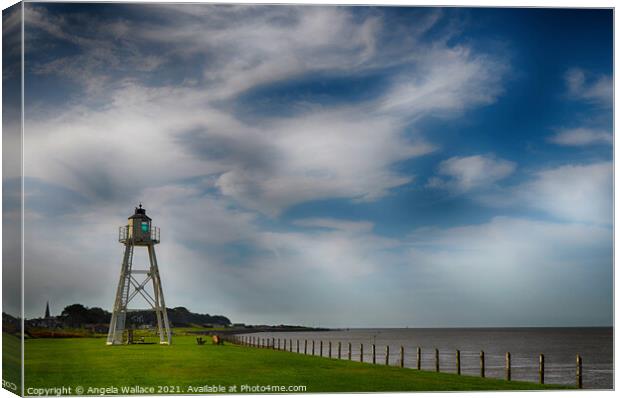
(581, 136)
(590, 88)
(471, 172)
(446, 81)
(571, 192)
(506, 267)
(344, 152)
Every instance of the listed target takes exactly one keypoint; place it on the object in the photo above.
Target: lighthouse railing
(124, 234)
(155, 234)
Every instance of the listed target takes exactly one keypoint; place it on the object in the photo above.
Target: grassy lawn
(11, 359)
(89, 362)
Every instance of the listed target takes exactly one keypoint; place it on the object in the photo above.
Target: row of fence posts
(274, 343)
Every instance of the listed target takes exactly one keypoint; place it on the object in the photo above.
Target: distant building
(47, 322)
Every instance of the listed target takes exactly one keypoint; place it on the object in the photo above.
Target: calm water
(559, 345)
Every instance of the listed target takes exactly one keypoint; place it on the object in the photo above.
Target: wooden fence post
(339, 349)
(402, 356)
(541, 369)
(305, 346)
(349, 351)
(313, 347)
(436, 360)
(458, 362)
(273, 343)
(284, 346)
(278, 344)
(290, 345)
(329, 349)
(321, 349)
(374, 357)
(481, 363)
(387, 355)
(298, 346)
(419, 358)
(508, 369)
(361, 352)
(579, 372)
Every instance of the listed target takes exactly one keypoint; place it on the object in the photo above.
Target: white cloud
(275, 162)
(595, 89)
(471, 172)
(573, 192)
(330, 223)
(581, 137)
(502, 272)
(446, 81)
(338, 154)
(341, 252)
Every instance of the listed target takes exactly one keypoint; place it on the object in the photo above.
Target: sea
(560, 347)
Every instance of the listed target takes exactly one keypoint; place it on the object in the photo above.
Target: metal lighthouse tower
(138, 233)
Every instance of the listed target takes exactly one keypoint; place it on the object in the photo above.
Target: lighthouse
(138, 233)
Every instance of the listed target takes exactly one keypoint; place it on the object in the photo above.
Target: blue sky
(336, 166)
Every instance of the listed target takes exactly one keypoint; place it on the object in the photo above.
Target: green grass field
(11, 358)
(89, 362)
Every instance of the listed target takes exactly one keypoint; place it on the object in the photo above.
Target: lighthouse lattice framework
(139, 232)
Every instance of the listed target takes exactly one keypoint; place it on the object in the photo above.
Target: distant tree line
(77, 315)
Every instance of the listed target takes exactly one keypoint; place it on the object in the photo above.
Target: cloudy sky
(334, 166)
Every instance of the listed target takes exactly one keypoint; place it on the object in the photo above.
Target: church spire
(47, 310)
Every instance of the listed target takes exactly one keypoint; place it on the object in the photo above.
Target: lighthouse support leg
(163, 326)
(117, 321)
